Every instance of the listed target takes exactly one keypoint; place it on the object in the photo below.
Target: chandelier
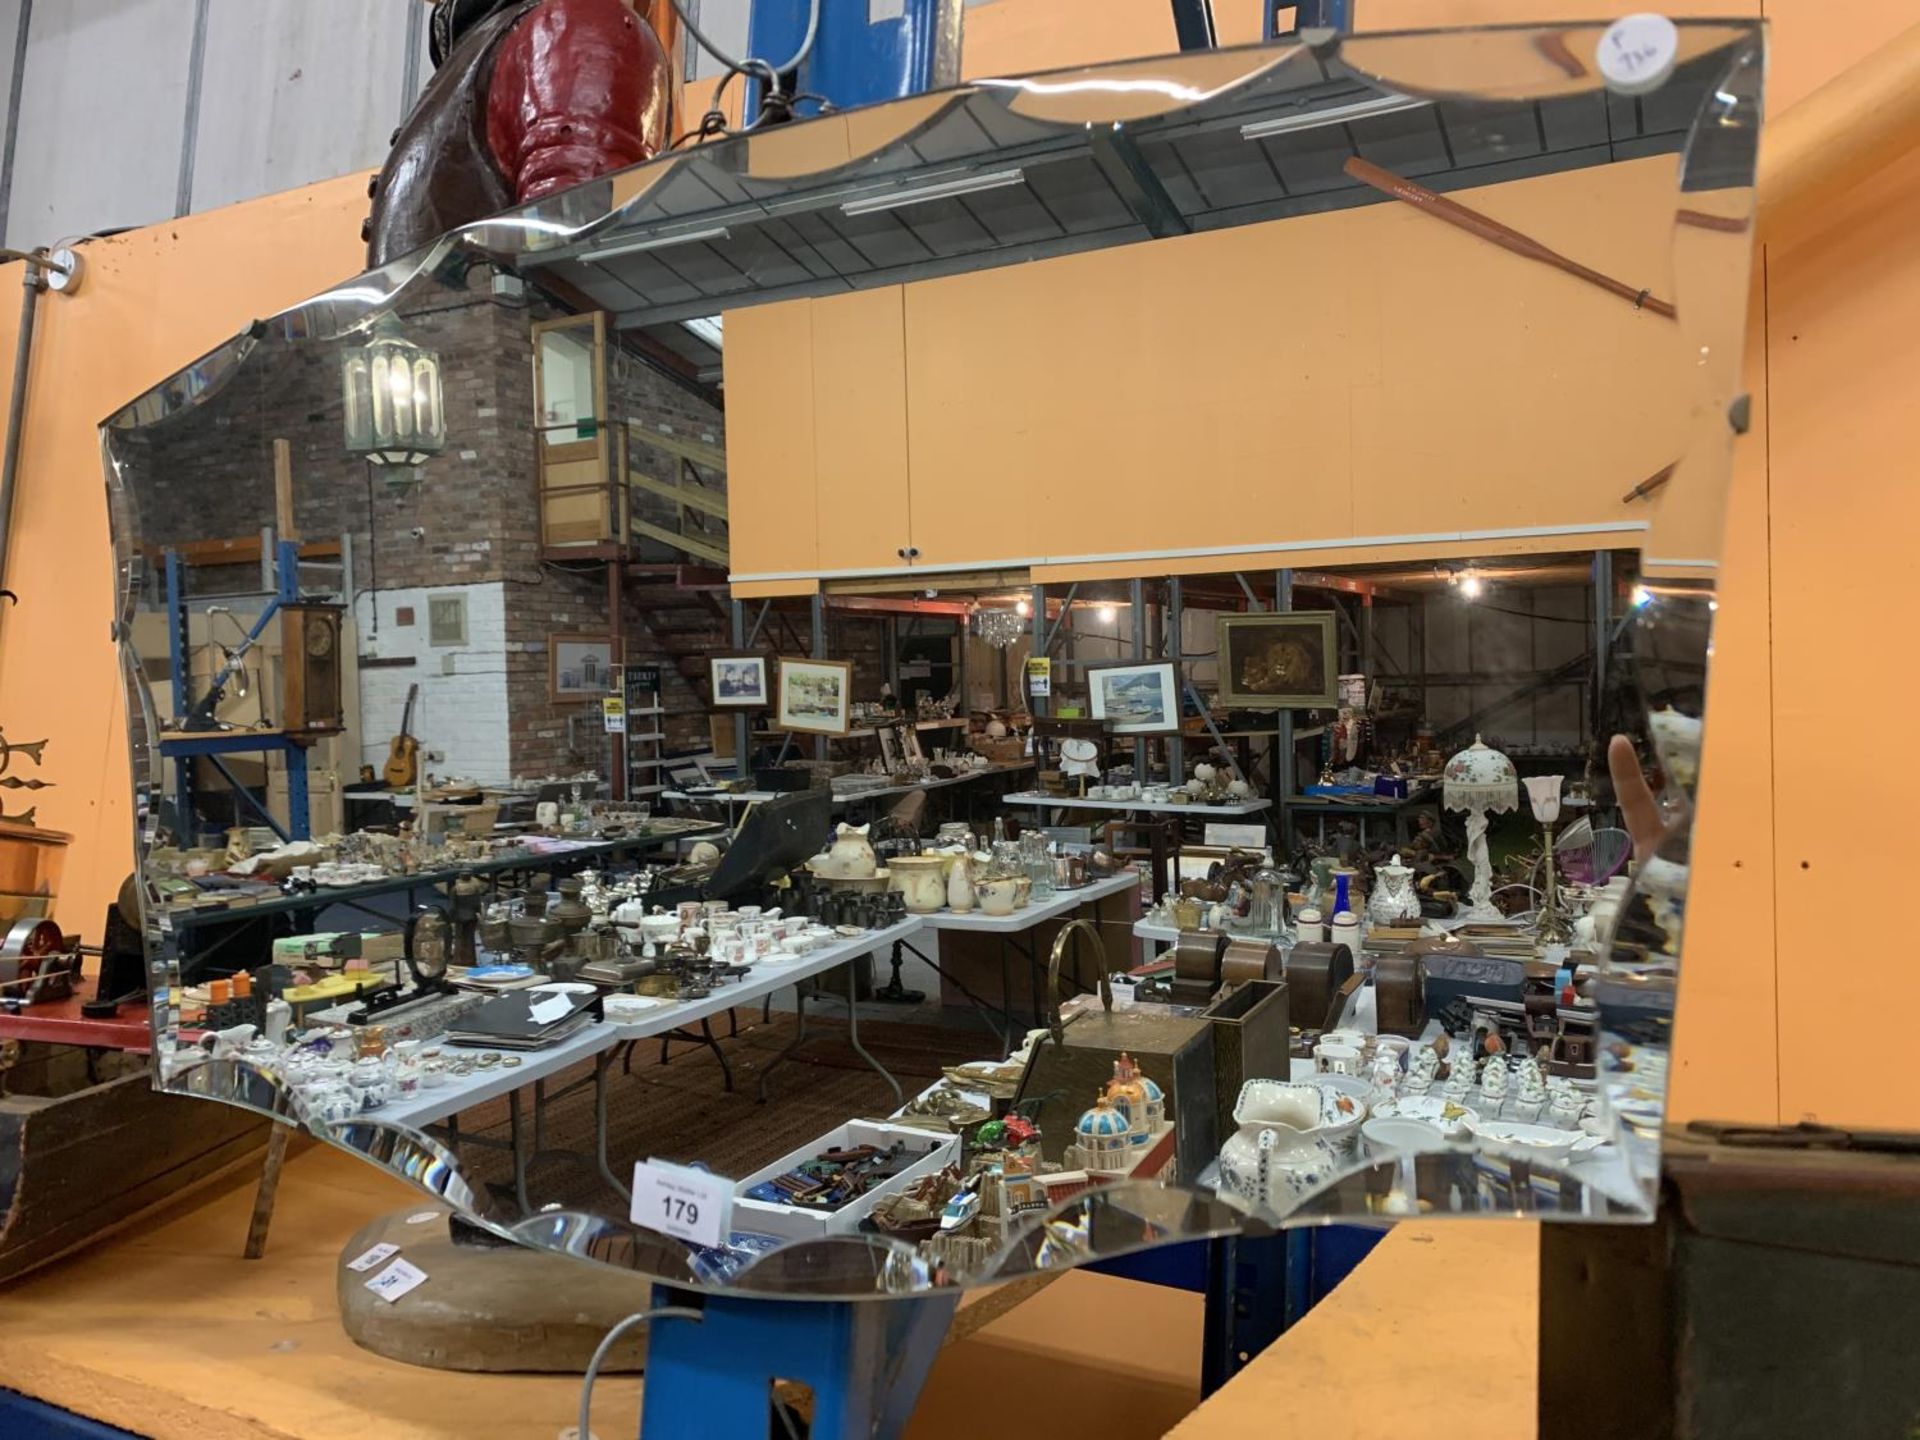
(999, 628)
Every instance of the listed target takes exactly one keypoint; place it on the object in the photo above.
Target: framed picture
(889, 739)
(1289, 660)
(579, 667)
(740, 680)
(1135, 697)
(816, 696)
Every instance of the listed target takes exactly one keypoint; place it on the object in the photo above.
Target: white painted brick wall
(462, 716)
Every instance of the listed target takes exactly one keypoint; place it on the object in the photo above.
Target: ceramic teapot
(1394, 900)
(1278, 1154)
(850, 858)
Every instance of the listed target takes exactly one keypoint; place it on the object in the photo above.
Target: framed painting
(1135, 697)
(740, 680)
(1287, 660)
(579, 668)
(816, 696)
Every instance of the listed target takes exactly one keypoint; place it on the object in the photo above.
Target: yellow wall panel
(770, 476)
(1841, 371)
(1334, 378)
(860, 429)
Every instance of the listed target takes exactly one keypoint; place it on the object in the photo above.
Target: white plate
(1428, 1109)
(563, 987)
(1390, 1136)
(1539, 1140)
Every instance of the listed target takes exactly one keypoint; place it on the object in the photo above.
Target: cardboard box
(795, 1222)
(471, 820)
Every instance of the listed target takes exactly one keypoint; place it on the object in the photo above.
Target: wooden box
(469, 820)
(77, 1159)
(1775, 1294)
(1251, 1041)
(1003, 750)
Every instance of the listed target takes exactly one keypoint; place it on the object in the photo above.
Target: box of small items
(828, 1186)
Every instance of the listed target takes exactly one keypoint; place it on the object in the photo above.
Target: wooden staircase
(693, 517)
(684, 611)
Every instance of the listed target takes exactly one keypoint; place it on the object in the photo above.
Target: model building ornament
(528, 97)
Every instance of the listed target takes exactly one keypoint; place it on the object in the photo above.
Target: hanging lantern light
(999, 628)
(391, 393)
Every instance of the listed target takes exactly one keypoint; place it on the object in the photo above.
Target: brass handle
(1054, 1025)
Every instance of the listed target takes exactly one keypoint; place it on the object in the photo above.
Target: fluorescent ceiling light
(966, 185)
(1387, 104)
(707, 328)
(655, 242)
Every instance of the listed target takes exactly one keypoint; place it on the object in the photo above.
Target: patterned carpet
(682, 1110)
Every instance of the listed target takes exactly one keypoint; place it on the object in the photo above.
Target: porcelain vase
(960, 884)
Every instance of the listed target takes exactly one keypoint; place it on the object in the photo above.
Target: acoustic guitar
(403, 752)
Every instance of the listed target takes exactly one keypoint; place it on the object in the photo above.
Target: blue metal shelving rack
(184, 749)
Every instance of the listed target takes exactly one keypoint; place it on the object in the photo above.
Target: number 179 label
(691, 1205)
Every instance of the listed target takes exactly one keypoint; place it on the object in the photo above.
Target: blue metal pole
(299, 823)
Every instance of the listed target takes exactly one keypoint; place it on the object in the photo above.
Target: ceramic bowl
(1389, 1136)
(1343, 1109)
(869, 884)
(1352, 1086)
(1540, 1142)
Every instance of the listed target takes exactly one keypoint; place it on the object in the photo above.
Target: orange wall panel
(1726, 1062)
(152, 301)
(860, 429)
(1425, 382)
(1842, 361)
(771, 498)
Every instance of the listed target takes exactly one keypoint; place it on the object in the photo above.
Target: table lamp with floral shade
(1480, 781)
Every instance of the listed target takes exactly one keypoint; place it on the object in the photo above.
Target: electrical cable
(751, 66)
(612, 1338)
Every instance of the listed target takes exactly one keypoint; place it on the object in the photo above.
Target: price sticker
(691, 1205)
(1637, 53)
(399, 1278)
(378, 1255)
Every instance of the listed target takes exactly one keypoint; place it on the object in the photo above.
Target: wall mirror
(1441, 321)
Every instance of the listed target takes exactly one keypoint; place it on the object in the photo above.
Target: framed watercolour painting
(1135, 697)
(579, 667)
(740, 680)
(816, 696)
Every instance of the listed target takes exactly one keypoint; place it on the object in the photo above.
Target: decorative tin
(1171, 1045)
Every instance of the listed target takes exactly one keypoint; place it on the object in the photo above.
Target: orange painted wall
(1813, 590)
(152, 301)
(1819, 508)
